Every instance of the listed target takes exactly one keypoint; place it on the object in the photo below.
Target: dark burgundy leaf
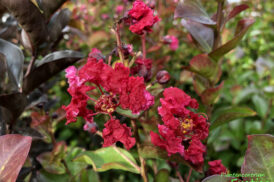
(30, 18)
(14, 150)
(193, 10)
(202, 34)
(242, 28)
(14, 59)
(236, 10)
(49, 66)
(57, 22)
(15, 103)
(210, 95)
(50, 6)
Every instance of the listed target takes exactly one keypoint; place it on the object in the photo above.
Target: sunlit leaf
(14, 150)
(109, 158)
(259, 157)
(162, 176)
(224, 115)
(261, 105)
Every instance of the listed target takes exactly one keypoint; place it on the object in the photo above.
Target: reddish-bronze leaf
(210, 95)
(202, 65)
(14, 150)
(236, 10)
(259, 157)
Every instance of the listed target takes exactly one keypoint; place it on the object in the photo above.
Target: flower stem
(143, 38)
(119, 43)
(189, 174)
(179, 175)
(218, 24)
(138, 143)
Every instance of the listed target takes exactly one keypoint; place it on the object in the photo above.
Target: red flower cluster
(141, 18)
(181, 126)
(119, 89)
(216, 167)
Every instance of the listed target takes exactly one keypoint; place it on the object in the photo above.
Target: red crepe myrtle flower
(168, 140)
(194, 153)
(141, 17)
(115, 131)
(181, 126)
(172, 41)
(216, 167)
(117, 88)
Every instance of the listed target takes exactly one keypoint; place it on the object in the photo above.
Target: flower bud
(163, 77)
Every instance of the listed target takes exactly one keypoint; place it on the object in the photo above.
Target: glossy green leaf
(109, 158)
(14, 150)
(224, 115)
(149, 151)
(44, 176)
(162, 176)
(89, 176)
(259, 157)
(193, 10)
(127, 113)
(241, 29)
(51, 164)
(261, 105)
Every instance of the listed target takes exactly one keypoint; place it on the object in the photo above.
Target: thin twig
(30, 66)
(126, 158)
(138, 143)
(119, 43)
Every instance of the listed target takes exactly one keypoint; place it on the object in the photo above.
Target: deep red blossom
(216, 167)
(182, 127)
(194, 153)
(142, 18)
(114, 131)
(116, 88)
(135, 97)
(77, 90)
(167, 140)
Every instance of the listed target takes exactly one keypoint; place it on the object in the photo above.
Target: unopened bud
(163, 77)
